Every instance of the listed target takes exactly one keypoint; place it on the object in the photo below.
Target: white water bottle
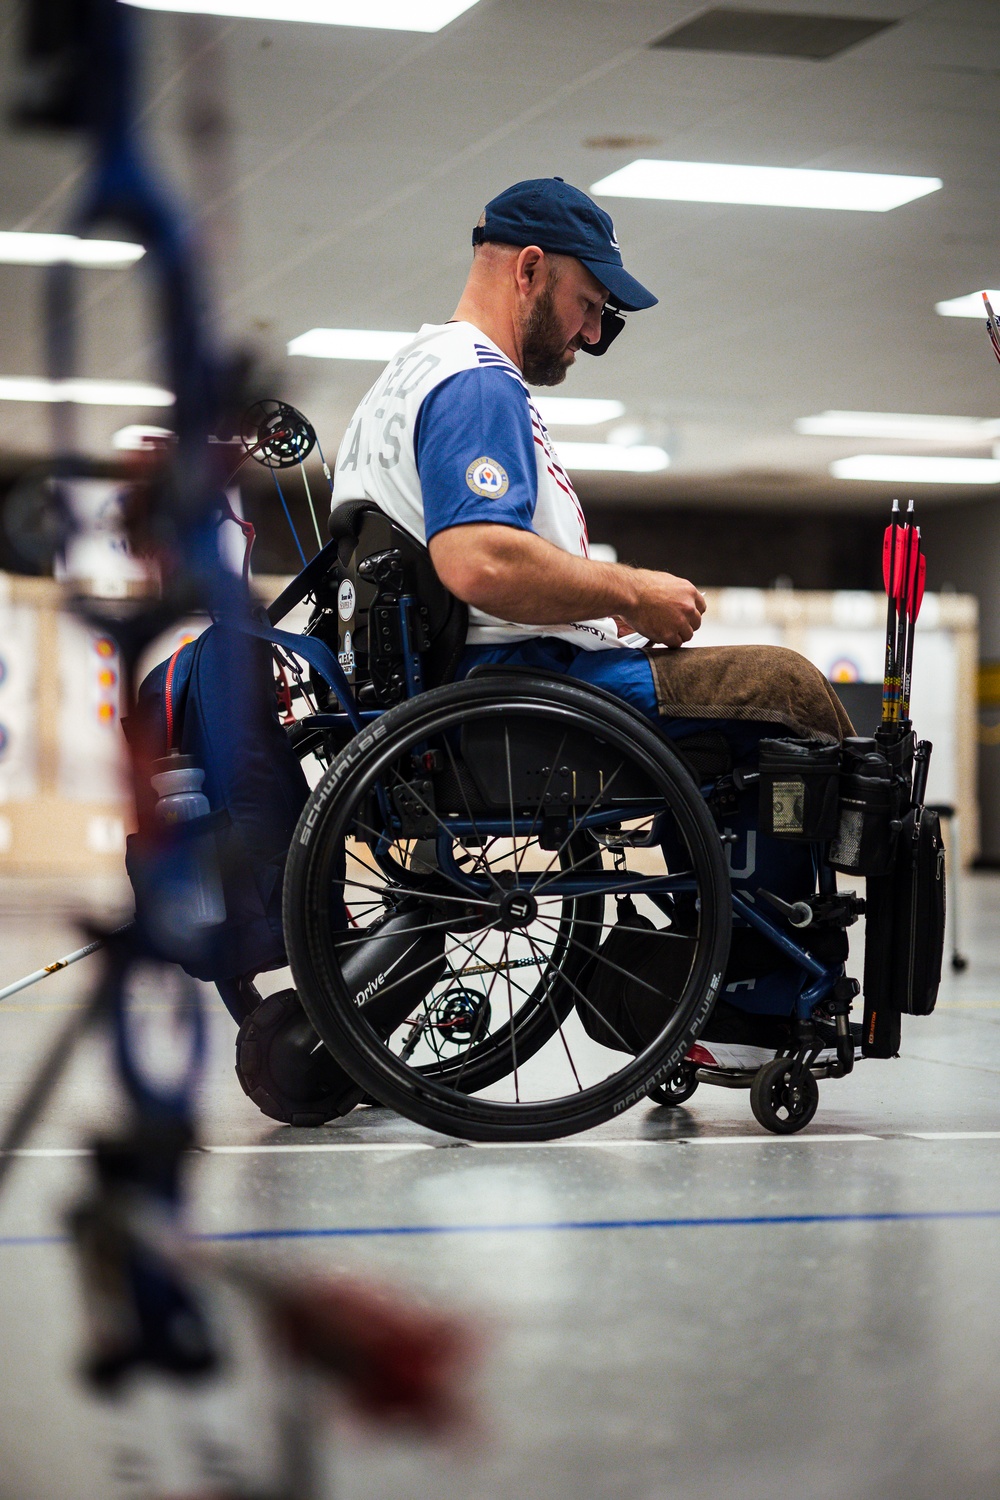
(198, 900)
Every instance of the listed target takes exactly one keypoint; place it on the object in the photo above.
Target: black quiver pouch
(904, 938)
(799, 781)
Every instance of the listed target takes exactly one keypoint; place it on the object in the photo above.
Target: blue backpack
(214, 701)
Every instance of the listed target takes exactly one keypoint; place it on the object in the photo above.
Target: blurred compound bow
(147, 1285)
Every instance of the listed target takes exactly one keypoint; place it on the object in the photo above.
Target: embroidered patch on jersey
(488, 478)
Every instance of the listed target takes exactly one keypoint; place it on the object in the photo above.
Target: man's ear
(529, 269)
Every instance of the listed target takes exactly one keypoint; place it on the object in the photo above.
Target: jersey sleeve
(475, 452)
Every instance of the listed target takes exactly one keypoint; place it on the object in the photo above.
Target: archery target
(18, 707)
(91, 746)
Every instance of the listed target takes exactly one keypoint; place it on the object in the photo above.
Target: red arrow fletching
(899, 571)
(892, 572)
(917, 593)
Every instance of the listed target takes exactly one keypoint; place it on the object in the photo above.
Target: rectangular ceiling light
(25, 248)
(901, 426)
(350, 343)
(380, 15)
(83, 392)
(969, 306)
(610, 458)
(779, 187)
(577, 411)
(893, 468)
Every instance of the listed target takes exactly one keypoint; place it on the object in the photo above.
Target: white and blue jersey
(449, 435)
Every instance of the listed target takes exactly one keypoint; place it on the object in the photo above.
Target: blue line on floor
(371, 1231)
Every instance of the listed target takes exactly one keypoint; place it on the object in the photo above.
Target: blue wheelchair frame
(825, 978)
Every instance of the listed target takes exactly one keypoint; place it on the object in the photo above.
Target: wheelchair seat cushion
(766, 684)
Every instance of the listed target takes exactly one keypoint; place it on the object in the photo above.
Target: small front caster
(676, 1088)
(784, 1096)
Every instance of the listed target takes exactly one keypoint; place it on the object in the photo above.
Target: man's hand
(518, 576)
(667, 609)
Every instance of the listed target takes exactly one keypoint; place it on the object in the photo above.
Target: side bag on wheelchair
(882, 831)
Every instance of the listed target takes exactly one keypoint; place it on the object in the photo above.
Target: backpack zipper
(168, 697)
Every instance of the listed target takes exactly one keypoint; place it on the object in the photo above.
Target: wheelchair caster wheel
(284, 1068)
(784, 1096)
(677, 1088)
(959, 963)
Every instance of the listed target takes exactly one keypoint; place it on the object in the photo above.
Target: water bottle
(197, 899)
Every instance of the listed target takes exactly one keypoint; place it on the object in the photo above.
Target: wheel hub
(515, 909)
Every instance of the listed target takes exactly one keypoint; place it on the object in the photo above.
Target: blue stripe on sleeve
(479, 414)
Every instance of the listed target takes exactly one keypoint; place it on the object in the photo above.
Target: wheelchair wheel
(676, 1089)
(450, 888)
(784, 1096)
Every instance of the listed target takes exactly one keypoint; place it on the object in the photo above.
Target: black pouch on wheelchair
(904, 938)
(868, 815)
(635, 980)
(798, 789)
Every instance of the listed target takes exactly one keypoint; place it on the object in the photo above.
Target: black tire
(284, 1069)
(676, 1089)
(353, 796)
(784, 1096)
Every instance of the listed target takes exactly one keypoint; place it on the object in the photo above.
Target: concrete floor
(679, 1306)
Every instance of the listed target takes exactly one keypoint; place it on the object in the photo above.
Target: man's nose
(591, 330)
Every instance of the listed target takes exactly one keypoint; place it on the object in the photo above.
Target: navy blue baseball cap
(559, 218)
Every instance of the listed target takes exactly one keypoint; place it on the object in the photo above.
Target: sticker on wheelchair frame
(345, 599)
(487, 478)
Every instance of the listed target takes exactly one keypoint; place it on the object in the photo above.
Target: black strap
(319, 656)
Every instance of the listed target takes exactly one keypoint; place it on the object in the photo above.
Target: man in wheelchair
(449, 444)
(531, 855)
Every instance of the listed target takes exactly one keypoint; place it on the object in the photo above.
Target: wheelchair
(507, 907)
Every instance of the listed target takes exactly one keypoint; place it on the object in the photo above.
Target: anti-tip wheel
(677, 1088)
(784, 1096)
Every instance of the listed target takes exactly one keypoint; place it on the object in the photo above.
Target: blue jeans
(754, 861)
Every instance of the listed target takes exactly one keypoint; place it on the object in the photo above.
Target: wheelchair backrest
(399, 629)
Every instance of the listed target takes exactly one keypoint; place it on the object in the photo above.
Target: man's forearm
(516, 575)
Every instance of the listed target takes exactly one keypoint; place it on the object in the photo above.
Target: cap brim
(627, 293)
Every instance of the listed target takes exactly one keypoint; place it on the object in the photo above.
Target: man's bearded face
(545, 352)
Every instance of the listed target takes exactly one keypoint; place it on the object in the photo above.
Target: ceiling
(355, 162)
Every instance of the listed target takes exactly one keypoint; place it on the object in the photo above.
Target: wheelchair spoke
(590, 1006)
(428, 809)
(405, 978)
(548, 782)
(473, 952)
(367, 936)
(663, 932)
(400, 890)
(601, 792)
(601, 959)
(377, 837)
(510, 790)
(555, 1016)
(576, 864)
(428, 1021)
(458, 782)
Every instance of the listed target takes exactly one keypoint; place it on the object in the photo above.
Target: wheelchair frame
(795, 1069)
